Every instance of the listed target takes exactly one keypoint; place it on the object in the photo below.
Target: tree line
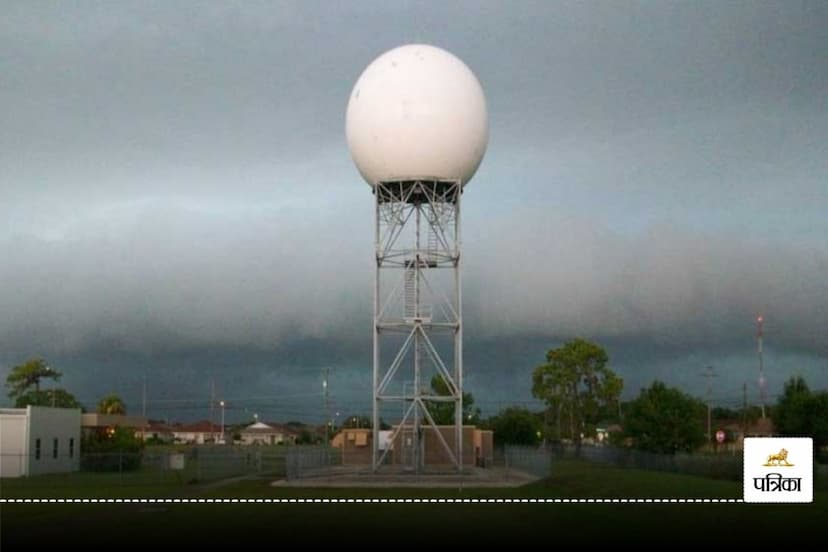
(580, 392)
(23, 386)
(578, 388)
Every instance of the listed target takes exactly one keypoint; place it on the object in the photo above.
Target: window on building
(71, 447)
(37, 449)
(54, 447)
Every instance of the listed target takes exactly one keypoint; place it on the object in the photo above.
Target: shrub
(111, 449)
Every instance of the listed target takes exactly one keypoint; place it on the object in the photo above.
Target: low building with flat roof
(39, 439)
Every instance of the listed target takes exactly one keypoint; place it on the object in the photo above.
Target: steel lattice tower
(417, 241)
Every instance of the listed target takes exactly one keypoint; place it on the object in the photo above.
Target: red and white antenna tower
(759, 320)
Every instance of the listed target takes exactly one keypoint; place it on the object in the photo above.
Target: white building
(199, 433)
(264, 434)
(157, 431)
(39, 439)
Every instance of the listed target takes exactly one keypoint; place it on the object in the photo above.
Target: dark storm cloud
(174, 176)
(564, 275)
(172, 277)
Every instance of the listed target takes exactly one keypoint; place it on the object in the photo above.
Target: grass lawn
(137, 484)
(409, 524)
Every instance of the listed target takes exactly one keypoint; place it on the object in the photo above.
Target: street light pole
(328, 420)
(708, 373)
(221, 404)
(759, 321)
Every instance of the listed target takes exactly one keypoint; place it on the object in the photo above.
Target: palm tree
(28, 374)
(111, 404)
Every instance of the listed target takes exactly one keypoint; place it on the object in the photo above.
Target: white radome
(417, 111)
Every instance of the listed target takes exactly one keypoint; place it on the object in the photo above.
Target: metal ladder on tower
(409, 291)
(433, 246)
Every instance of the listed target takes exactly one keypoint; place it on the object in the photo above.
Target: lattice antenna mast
(762, 383)
(417, 235)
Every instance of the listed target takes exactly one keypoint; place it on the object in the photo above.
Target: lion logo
(779, 459)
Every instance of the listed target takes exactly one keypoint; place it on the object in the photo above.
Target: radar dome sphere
(417, 111)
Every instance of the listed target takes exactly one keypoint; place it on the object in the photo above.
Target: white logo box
(779, 469)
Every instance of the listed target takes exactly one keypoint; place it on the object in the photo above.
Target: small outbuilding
(39, 439)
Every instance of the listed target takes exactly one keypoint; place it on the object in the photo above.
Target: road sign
(720, 436)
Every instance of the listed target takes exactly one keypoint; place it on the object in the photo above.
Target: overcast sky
(177, 199)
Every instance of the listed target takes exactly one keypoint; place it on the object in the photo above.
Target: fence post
(506, 460)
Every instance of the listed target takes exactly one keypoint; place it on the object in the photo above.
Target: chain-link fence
(532, 460)
(155, 471)
(727, 466)
(151, 468)
(512, 463)
(310, 460)
(719, 466)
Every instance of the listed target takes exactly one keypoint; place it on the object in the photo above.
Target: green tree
(722, 413)
(357, 422)
(23, 376)
(112, 449)
(819, 405)
(577, 385)
(515, 426)
(802, 412)
(58, 398)
(793, 408)
(443, 412)
(111, 404)
(663, 419)
(305, 438)
(29, 374)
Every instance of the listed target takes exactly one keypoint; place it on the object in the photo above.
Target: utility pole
(560, 407)
(759, 321)
(744, 409)
(222, 421)
(144, 408)
(708, 374)
(212, 401)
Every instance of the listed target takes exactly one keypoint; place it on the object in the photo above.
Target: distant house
(38, 439)
(94, 422)
(267, 434)
(198, 433)
(355, 445)
(604, 431)
(158, 431)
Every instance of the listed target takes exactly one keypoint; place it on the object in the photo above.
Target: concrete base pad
(349, 476)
